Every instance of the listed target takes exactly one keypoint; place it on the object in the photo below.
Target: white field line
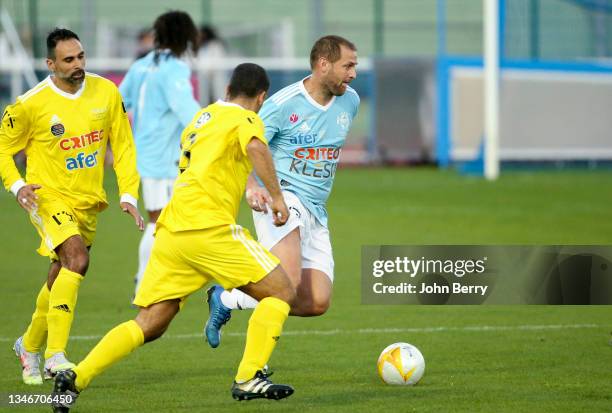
(339, 332)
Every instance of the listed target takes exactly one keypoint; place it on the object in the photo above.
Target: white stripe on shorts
(39, 221)
(257, 253)
(258, 248)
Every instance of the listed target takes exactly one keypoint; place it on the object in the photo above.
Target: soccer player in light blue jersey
(157, 89)
(306, 124)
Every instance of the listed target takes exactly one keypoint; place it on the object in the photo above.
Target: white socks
(144, 251)
(237, 300)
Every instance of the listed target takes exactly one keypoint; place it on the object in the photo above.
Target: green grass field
(479, 358)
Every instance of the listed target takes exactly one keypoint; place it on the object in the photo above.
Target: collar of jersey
(224, 103)
(66, 94)
(311, 100)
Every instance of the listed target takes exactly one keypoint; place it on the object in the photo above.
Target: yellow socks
(265, 326)
(62, 301)
(35, 335)
(116, 344)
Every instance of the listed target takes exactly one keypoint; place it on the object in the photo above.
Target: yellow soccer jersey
(65, 138)
(213, 168)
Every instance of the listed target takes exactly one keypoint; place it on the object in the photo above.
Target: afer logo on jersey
(82, 161)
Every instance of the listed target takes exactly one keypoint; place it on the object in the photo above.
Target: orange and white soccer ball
(401, 363)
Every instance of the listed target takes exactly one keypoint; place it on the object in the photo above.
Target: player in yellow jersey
(64, 125)
(197, 240)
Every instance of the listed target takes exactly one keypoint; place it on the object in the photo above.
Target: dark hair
(328, 47)
(57, 35)
(176, 31)
(208, 34)
(248, 79)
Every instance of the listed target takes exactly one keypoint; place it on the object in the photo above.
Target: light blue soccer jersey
(161, 98)
(306, 139)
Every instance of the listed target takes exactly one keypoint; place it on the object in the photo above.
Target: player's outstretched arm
(260, 157)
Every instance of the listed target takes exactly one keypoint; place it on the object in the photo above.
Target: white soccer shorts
(315, 243)
(156, 192)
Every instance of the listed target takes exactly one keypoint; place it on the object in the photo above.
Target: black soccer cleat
(64, 391)
(260, 387)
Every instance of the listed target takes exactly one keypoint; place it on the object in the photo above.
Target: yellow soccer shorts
(183, 262)
(56, 221)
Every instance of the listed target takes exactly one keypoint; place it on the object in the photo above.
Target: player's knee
(77, 262)
(318, 307)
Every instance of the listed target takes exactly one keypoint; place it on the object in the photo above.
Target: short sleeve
(270, 114)
(250, 127)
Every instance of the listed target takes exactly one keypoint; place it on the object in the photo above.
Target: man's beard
(76, 78)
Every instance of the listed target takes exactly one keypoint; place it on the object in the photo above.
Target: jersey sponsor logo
(293, 118)
(303, 139)
(57, 129)
(321, 170)
(317, 154)
(202, 120)
(80, 142)
(82, 161)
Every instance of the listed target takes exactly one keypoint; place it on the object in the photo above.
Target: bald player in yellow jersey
(197, 240)
(64, 124)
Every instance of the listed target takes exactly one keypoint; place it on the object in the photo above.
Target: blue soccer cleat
(219, 314)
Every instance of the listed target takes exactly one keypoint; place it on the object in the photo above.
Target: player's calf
(155, 319)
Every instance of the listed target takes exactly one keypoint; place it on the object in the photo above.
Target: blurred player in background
(212, 48)
(306, 125)
(64, 124)
(157, 89)
(197, 239)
